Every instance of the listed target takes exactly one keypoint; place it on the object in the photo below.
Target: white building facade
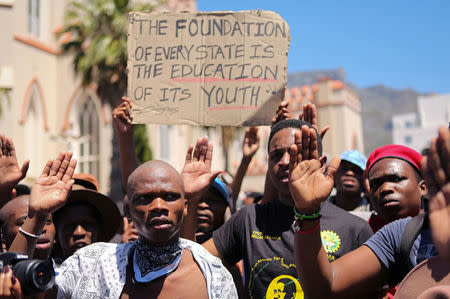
(415, 130)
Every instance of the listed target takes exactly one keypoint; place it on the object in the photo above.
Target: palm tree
(97, 37)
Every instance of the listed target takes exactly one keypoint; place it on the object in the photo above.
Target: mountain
(378, 104)
(309, 78)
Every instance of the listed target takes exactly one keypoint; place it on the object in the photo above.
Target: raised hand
(52, 188)
(251, 143)
(10, 172)
(282, 112)
(309, 114)
(122, 117)
(436, 172)
(308, 183)
(197, 175)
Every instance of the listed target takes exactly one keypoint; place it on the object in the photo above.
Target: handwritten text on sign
(220, 68)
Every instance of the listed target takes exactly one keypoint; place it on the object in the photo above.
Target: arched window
(84, 133)
(88, 121)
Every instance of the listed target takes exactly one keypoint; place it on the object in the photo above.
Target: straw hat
(427, 279)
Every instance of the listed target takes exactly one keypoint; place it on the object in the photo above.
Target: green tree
(143, 151)
(98, 42)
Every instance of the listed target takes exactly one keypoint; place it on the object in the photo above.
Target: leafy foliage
(143, 151)
(96, 33)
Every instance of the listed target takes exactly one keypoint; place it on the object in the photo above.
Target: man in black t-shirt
(263, 235)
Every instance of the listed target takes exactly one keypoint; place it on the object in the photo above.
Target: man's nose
(386, 188)
(79, 231)
(285, 158)
(203, 205)
(157, 205)
(349, 172)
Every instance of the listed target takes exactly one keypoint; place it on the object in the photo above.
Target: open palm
(52, 188)
(197, 175)
(436, 172)
(10, 172)
(309, 186)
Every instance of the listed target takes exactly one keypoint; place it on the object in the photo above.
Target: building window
(408, 124)
(88, 159)
(34, 13)
(84, 135)
(408, 139)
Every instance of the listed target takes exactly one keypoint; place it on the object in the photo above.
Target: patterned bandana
(151, 262)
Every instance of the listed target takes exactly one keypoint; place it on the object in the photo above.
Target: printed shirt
(99, 271)
(262, 236)
(386, 244)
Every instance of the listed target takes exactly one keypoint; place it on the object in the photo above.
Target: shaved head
(151, 170)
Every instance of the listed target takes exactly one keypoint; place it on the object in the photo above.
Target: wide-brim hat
(428, 274)
(84, 191)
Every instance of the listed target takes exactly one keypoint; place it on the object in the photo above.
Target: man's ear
(423, 188)
(323, 160)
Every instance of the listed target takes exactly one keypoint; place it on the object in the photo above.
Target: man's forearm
(128, 158)
(236, 184)
(190, 220)
(25, 244)
(314, 270)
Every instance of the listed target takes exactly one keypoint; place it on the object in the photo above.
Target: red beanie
(395, 151)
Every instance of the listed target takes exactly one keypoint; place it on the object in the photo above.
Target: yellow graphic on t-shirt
(259, 235)
(277, 288)
(284, 285)
(331, 243)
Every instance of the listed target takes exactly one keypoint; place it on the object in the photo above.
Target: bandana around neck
(151, 262)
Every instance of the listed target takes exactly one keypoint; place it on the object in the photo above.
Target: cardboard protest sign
(218, 68)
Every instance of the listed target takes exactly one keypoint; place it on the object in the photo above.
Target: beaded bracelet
(29, 234)
(300, 216)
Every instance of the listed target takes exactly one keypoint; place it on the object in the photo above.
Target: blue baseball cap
(355, 157)
(223, 190)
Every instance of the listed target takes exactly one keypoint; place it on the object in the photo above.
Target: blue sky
(397, 43)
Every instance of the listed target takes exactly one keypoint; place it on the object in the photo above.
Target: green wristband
(299, 216)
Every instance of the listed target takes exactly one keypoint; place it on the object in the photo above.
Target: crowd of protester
(352, 227)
